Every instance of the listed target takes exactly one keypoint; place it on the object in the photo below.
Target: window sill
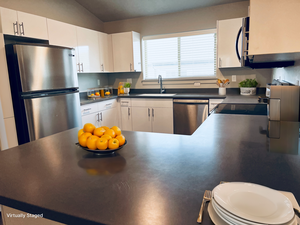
(183, 81)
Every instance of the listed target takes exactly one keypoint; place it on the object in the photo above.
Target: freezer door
(51, 115)
(188, 117)
(45, 67)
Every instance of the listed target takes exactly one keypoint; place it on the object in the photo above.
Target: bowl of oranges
(101, 140)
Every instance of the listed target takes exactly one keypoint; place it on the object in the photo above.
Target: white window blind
(182, 55)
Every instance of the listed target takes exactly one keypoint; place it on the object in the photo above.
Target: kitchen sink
(157, 94)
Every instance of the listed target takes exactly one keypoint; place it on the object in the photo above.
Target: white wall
(68, 11)
(189, 20)
(290, 74)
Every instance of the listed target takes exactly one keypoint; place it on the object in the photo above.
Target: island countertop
(155, 179)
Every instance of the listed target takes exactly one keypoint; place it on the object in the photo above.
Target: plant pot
(126, 90)
(248, 90)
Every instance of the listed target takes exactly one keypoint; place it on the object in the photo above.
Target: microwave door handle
(237, 44)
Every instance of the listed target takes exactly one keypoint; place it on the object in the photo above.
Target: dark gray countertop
(85, 101)
(227, 98)
(155, 179)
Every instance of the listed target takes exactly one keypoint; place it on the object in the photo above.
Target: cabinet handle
(16, 30)
(148, 112)
(22, 31)
(128, 111)
(102, 67)
(220, 62)
(78, 67)
(98, 120)
(130, 67)
(81, 67)
(87, 109)
(152, 112)
(101, 117)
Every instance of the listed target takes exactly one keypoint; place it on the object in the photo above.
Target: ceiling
(112, 10)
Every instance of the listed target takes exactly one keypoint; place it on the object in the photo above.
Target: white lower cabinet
(141, 119)
(126, 118)
(103, 113)
(92, 118)
(152, 115)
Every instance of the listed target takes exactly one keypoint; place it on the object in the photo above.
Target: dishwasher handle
(190, 101)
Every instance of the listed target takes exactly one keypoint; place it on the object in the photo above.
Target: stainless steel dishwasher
(188, 115)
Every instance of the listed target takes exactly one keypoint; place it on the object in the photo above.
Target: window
(180, 55)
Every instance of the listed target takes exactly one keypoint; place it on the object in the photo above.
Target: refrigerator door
(53, 114)
(45, 67)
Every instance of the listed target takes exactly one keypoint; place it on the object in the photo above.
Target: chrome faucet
(160, 82)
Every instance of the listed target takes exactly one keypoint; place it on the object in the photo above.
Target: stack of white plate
(246, 203)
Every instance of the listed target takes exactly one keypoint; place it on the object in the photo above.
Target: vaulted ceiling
(112, 10)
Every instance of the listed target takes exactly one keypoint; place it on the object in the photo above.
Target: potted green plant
(127, 88)
(248, 87)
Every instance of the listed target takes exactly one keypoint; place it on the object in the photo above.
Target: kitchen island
(155, 179)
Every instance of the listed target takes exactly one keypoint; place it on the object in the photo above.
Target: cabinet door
(32, 26)
(126, 121)
(162, 120)
(274, 27)
(105, 52)
(61, 34)
(122, 52)
(141, 119)
(136, 39)
(109, 117)
(9, 21)
(92, 118)
(227, 35)
(88, 50)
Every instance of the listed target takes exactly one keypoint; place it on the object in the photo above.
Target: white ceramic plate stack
(251, 204)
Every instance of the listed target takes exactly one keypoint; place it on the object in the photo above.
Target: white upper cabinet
(23, 24)
(274, 27)
(62, 34)
(126, 52)
(88, 50)
(227, 31)
(105, 51)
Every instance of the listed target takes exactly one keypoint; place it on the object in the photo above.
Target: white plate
(254, 202)
(217, 220)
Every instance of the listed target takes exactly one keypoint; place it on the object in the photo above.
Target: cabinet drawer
(151, 102)
(88, 109)
(125, 102)
(107, 104)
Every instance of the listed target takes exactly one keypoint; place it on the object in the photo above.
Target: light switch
(233, 79)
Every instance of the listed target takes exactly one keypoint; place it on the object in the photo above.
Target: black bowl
(107, 151)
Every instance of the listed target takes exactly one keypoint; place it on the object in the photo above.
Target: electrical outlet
(197, 84)
(233, 78)
(98, 82)
(129, 80)
(298, 83)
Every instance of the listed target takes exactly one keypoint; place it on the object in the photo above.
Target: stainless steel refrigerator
(44, 88)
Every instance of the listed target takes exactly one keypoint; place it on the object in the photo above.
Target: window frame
(180, 34)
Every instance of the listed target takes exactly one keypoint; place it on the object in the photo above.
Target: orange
(121, 139)
(106, 136)
(80, 132)
(113, 143)
(91, 142)
(110, 132)
(107, 93)
(99, 131)
(88, 127)
(83, 139)
(102, 143)
(86, 134)
(117, 130)
(97, 93)
(105, 127)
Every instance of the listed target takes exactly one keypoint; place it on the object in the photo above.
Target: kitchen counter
(154, 179)
(227, 98)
